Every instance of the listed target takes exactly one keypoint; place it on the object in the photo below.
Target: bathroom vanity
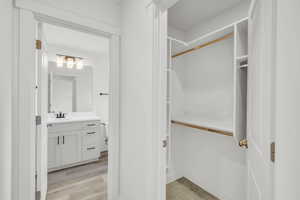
(74, 141)
(76, 135)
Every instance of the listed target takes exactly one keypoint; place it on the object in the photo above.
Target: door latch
(38, 120)
(273, 151)
(165, 143)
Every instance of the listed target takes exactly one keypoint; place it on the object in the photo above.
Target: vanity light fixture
(79, 63)
(60, 61)
(70, 61)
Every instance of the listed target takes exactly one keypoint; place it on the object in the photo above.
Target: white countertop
(78, 117)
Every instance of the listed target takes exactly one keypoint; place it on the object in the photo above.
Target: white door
(69, 149)
(42, 111)
(259, 123)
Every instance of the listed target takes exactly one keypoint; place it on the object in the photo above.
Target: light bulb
(70, 63)
(79, 63)
(60, 61)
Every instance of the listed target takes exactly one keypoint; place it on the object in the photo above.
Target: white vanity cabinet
(69, 151)
(73, 143)
(53, 151)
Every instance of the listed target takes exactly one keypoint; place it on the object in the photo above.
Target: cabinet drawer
(71, 126)
(91, 124)
(90, 137)
(90, 152)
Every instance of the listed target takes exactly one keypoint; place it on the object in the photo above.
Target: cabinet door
(70, 149)
(53, 151)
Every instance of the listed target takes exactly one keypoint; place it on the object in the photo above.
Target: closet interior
(207, 98)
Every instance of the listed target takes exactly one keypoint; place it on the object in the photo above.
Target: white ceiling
(187, 13)
(67, 38)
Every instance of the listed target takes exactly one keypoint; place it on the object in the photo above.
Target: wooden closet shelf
(221, 132)
(242, 58)
(229, 35)
(244, 66)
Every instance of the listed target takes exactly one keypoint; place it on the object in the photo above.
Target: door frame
(160, 61)
(163, 6)
(160, 46)
(26, 17)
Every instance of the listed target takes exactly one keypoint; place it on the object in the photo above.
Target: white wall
(209, 81)
(85, 89)
(101, 84)
(100, 65)
(287, 105)
(6, 34)
(211, 161)
(177, 92)
(62, 95)
(214, 162)
(222, 19)
(137, 166)
(227, 17)
(175, 33)
(102, 11)
(202, 82)
(106, 11)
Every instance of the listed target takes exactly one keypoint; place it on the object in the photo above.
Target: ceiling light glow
(79, 63)
(70, 63)
(60, 61)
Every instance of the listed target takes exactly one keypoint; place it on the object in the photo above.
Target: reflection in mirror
(70, 90)
(64, 93)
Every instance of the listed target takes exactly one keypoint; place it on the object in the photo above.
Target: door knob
(244, 144)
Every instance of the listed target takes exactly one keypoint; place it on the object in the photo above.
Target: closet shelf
(242, 58)
(213, 126)
(224, 37)
(244, 66)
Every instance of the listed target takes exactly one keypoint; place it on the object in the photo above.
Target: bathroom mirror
(70, 90)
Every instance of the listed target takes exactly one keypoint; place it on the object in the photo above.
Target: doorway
(214, 99)
(73, 150)
(74, 69)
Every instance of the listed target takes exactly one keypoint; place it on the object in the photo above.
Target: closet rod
(227, 133)
(204, 45)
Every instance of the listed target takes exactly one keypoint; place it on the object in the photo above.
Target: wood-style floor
(184, 189)
(87, 182)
